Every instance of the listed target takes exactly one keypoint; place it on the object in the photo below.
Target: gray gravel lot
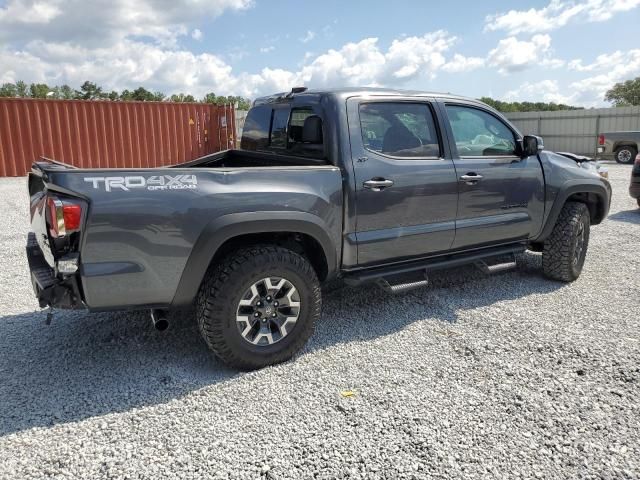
(502, 377)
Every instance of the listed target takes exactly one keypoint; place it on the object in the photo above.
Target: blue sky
(550, 50)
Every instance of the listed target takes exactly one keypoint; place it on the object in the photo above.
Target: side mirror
(531, 145)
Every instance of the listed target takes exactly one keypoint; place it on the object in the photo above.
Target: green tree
(243, 103)
(182, 98)
(21, 89)
(507, 107)
(8, 90)
(89, 91)
(141, 94)
(39, 90)
(210, 98)
(624, 93)
(66, 92)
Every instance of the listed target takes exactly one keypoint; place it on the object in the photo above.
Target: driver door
(500, 194)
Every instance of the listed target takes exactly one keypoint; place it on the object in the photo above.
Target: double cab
(366, 185)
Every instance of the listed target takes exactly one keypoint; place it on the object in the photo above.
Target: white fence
(576, 131)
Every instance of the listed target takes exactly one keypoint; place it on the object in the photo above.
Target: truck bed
(145, 231)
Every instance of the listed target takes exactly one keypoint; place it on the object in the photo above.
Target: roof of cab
(346, 92)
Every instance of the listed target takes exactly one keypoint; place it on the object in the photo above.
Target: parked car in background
(634, 187)
(619, 146)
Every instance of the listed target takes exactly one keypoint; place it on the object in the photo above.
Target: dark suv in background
(634, 187)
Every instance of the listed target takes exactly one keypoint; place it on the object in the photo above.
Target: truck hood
(575, 165)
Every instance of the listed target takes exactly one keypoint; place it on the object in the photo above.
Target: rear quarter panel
(137, 240)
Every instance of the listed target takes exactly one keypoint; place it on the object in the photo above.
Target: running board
(369, 275)
(384, 284)
(497, 267)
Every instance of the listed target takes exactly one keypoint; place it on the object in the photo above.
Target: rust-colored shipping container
(104, 134)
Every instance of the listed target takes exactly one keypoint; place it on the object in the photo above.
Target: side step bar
(497, 267)
(386, 285)
(381, 275)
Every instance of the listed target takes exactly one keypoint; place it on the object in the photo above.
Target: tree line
(508, 107)
(621, 94)
(91, 91)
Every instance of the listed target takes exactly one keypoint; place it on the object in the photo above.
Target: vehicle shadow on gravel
(353, 314)
(629, 216)
(84, 366)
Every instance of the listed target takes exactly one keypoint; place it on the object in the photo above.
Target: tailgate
(52, 248)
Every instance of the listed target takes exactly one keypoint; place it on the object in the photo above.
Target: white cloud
(591, 90)
(409, 57)
(602, 62)
(129, 62)
(310, 35)
(540, 91)
(268, 49)
(460, 63)
(196, 34)
(112, 21)
(557, 14)
(512, 55)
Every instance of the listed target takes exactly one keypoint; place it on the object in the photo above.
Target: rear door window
(399, 129)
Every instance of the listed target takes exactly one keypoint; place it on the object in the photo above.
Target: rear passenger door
(406, 188)
(501, 195)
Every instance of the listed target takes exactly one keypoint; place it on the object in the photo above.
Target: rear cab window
(399, 129)
(280, 129)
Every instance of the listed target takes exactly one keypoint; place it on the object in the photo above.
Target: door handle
(470, 178)
(377, 184)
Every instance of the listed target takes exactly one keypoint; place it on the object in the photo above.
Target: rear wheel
(566, 248)
(259, 306)
(625, 154)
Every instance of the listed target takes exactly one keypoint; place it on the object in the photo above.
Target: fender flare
(570, 188)
(225, 227)
(626, 143)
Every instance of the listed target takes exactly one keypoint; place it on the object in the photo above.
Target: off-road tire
(223, 288)
(559, 255)
(632, 155)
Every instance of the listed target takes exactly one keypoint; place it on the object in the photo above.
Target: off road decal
(154, 182)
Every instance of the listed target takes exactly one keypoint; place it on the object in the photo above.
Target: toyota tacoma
(367, 185)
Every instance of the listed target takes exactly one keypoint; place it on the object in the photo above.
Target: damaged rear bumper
(51, 290)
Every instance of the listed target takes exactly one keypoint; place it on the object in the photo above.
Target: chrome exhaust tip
(159, 319)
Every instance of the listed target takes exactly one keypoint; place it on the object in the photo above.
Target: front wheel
(259, 306)
(566, 248)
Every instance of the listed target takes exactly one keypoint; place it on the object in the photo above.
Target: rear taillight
(64, 218)
(600, 139)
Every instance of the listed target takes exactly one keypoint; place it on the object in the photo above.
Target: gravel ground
(502, 377)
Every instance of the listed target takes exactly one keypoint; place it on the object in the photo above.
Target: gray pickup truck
(367, 185)
(619, 146)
